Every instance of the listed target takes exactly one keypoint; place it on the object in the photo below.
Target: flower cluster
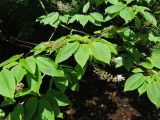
(104, 75)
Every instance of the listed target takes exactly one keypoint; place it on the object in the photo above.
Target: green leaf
(156, 52)
(73, 19)
(99, 2)
(137, 70)
(80, 71)
(48, 66)
(30, 108)
(143, 88)
(50, 98)
(110, 17)
(83, 19)
(155, 62)
(65, 18)
(29, 64)
(50, 19)
(17, 113)
(18, 72)
(60, 98)
(113, 1)
(101, 52)
(82, 55)
(140, 9)
(148, 1)
(114, 8)
(2, 114)
(128, 61)
(55, 25)
(12, 59)
(147, 64)
(109, 44)
(75, 76)
(61, 83)
(7, 83)
(34, 81)
(129, 1)
(150, 18)
(154, 38)
(7, 101)
(66, 52)
(127, 14)
(97, 16)
(92, 20)
(134, 82)
(44, 110)
(149, 79)
(74, 84)
(119, 63)
(39, 49)
(153, 91)
(86, 7)
(8, 66)
(137, 22)
(24, 92)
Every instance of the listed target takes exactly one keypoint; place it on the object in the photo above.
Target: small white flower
(118, 59)
(120, 78)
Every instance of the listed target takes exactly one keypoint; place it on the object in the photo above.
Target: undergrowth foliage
(22, 76)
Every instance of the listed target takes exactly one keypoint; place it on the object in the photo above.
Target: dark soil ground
(100, 100)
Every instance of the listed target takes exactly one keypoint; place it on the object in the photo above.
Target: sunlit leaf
(127, 14)
(114, 8)
(12, 59)
(18, 72)
(29, 64)
(82, 55)
(143, 88)
(134, 82)
(153, 91)
(47, 65)
(101, 52)
(97, 16)
(150, 18)
(34, 81)
(66, 52)
(86, 7)
(7, 83)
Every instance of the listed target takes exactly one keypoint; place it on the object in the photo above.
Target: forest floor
(100, 100)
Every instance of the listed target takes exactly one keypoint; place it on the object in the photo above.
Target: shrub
(126, 36)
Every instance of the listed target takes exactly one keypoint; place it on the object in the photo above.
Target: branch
(52, 34)
(17, 42)
(43, 6)
(74, 30)
(21, 41)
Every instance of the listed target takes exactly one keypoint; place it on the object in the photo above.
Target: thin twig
(71, 32)
(43, 6)
(43, 76)
(72, 29)
(26, 42)
(30, 45)
(52, 34)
